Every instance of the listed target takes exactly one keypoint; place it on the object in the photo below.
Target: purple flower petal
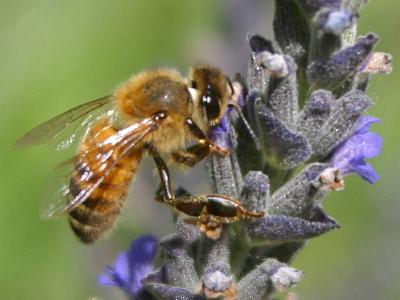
(349, 157)
(132, 266)
(108, 278)
(366, 171)
(364, 123)
(121, 267)
(142, 250)
(219, 134)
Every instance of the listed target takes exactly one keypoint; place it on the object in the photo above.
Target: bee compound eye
(212, 109)
(211, 102)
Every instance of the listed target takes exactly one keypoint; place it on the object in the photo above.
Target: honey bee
(156, 112)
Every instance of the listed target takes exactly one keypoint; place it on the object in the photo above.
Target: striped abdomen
(95, 160)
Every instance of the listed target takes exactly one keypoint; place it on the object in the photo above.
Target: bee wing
(56, 190)
(115, 148)
(63, 129)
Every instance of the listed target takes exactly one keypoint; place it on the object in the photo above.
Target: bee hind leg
(209, 212)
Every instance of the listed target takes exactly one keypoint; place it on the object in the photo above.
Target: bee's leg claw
(209, 225)
(217, 149)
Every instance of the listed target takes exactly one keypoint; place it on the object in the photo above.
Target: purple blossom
(219, 134)
(349, 157)
(131, 267)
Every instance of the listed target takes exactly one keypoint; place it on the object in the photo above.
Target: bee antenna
(230, 85)
(246, 124)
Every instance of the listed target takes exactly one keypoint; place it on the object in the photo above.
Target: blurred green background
(55, 55)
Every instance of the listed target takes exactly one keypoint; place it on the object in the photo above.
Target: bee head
(214, 91)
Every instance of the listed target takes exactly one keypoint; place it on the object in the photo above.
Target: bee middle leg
(163, 172)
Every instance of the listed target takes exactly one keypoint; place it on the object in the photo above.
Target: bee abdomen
(95, 216)
(89, 224)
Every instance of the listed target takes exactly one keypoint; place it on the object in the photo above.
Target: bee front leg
(203, 140)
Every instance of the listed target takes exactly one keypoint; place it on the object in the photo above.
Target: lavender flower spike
(131, 267)
(303, 96)
(349, 157)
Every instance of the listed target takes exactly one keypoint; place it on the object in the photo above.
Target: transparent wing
(63, 130)
(109, 152)
(56, 190)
